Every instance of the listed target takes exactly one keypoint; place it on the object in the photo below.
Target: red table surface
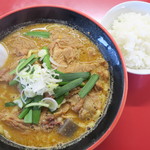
(133, 129)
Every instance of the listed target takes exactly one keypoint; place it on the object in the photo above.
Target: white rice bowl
(132, 33)
(129, 24)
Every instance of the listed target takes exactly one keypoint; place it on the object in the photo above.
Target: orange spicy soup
(71, 52)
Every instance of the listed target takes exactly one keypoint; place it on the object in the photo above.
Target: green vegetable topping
(66, 88)
(23, 113)
(72, 76)
(9, 104)
(40, 34)
(64, 83)
(88, 86)
(59, 72)
(60, 99)
(36, 113)
(46, 58)
(13, 82)
(28, 117)
(46, 102)
(23, 64)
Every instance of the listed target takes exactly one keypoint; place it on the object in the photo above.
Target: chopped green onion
(26, 110)
(66, 77)
(28, 117)
(46, 102)
(60, 99)
(29, 100)
(36, 113)
(88, 86)
(59, 72)
(13, 82)
(38, 98)
(37, 104)
(9, 104)
(21, 60)
(23, 64)
(23, 113)
(64, 83)
(46, 58)
(66, 88)
(40, 34)
(33, 61)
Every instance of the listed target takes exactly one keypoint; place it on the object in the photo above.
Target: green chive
(66, 88)
(13, 82)
(36, 113)
(24, 63)
(46, 58)
(40, 34)
(88, 86)
(23, 113)
(28, 117)
(9, 104)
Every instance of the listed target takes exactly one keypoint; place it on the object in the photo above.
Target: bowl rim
(122, 5)
(117, 8)
(138, 71)
(127, 2)
(124, 96)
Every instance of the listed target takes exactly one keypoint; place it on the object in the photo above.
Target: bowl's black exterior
(98, 36)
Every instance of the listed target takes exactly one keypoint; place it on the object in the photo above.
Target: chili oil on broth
(8, 93)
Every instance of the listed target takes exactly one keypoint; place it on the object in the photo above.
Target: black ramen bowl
(107, 46)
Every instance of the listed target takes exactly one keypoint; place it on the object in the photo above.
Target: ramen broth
(74, 52)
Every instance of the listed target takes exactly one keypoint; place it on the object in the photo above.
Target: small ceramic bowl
(130, 6)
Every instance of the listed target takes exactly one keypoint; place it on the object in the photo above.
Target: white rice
(132, 33)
